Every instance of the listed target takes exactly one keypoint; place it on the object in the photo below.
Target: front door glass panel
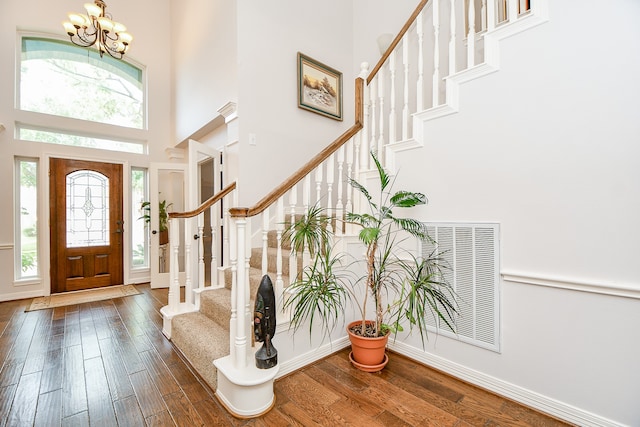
(87, 209)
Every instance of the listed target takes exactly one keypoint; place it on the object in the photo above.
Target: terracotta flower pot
(367, 354)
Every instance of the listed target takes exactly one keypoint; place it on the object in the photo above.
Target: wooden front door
(86, 224)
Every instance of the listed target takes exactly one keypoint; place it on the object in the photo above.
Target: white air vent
(471, 257)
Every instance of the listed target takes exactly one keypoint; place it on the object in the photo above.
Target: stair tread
(201, 340)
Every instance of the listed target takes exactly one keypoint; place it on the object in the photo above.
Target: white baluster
(452, 39)
(174, 269)
(491, 15)
(330, 178)
(306, 202)
(352, 153)
(513, 10)
(265, 241)
(226, 251)
(405, 105)
(240, 338)
(373, 90)
(318, 179)
(483, 15)
(436, 53)
(279, 229)
(188, 265)
(248, 310)
(214, 222)
(392, 98)
(201, 269)
(233, 262)
(380, 146)
(471, 36)
(339, 202)
(293, 202)
(363, 135)
(420, 81)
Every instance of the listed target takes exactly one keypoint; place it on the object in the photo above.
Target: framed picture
(319, 88)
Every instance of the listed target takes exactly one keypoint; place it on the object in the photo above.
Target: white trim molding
(612, 289)
(503, 388)
(309, 357)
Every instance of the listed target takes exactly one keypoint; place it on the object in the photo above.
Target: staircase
(203, 336)
(443, 45)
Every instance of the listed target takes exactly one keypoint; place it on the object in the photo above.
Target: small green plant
(163, 215)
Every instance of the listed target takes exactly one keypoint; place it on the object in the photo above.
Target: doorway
(86, 224)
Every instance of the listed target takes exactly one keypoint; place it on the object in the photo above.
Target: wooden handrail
(395, 41)
(282, 189)
(206, 204)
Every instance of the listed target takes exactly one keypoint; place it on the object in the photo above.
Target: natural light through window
(29, 133)
(59, 78)
(139, 228)
(27, 219)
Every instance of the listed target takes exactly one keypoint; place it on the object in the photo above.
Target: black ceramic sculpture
(264, 324)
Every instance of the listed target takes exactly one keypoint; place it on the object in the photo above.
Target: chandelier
(98, 28)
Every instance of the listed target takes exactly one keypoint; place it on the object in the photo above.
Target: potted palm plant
(402, 289)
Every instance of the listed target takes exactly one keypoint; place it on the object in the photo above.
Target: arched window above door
(59, 79)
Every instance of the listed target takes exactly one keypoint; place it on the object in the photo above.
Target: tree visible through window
(61, 79)
(27, 235)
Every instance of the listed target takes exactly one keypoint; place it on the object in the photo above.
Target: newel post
(239, 339)
(243, 389)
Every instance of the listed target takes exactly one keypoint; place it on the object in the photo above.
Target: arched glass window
(61, 79)
(87, 209)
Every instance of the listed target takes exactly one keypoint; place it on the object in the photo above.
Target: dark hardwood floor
(107, 364)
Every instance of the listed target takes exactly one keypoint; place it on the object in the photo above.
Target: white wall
(46, 18)
(372, 18)
(548, 147)
(270, 35)
(204, 61)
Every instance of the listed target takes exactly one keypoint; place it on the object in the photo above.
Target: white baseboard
(519, 394)
(21, 295)
(309, 357)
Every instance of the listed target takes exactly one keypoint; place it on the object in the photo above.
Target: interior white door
(167, 186)
(205, 170)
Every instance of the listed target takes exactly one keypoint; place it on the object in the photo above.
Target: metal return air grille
(471, 264)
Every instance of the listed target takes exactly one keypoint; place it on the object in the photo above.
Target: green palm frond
(355, 184)
(408, 199)
(319, 293)
(382, 175)
(310, 231)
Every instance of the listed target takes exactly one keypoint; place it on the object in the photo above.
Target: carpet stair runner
(203, 336)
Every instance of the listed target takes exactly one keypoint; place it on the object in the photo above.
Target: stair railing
(440, 39)
(192, 222)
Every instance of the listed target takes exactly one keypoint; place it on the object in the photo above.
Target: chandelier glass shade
(97, 28)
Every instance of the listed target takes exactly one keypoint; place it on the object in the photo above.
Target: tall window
(139, 228)
(61, 79)
(26, 238)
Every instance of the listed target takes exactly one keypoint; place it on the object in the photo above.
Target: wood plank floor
(108, 364)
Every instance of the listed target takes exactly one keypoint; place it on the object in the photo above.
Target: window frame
(17, 229)
(85, 128)
(135, 218)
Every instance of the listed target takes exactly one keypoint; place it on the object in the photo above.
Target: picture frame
(319, 88)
